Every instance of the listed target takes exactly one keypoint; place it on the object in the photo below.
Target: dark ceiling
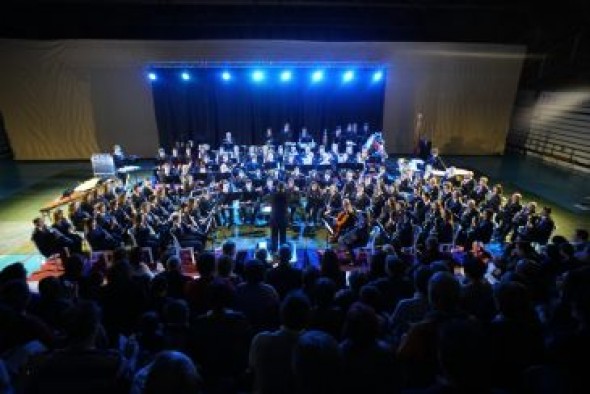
(545, 29)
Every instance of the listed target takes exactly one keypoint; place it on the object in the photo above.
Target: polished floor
(27, 186)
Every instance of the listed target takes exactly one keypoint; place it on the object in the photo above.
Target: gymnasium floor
(27, 186)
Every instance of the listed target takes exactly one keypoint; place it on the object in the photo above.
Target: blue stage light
(377, 76)
(348, 76)
(286, 76)
(226, 76)
(257, 76)
(152, 76)
(317, 76)
(185, 76)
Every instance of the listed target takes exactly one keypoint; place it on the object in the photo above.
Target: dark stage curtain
(205, 107)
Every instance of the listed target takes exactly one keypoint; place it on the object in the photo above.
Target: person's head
(463, 353)
(254, 271)
(13, 271)
(220, 295)
(474, 267)
(295, 311)
(361, 325)
(261, 255)
(324, 292)
(513, 300)
(377, 264)
(316, 363)
(566, 250)
(432, 244)
(421, 277)
(173, 264)
(371, 295)
(394, 267)
(51, 288)
(38, 223)
(73, 267)
(229, 249)
(176, 313)
(172, 372)
(225, 265)
(329, 264)
(15, 293)
(206, 264)
(81, 324)
(281, 187)
(285, 254)
(444, 292)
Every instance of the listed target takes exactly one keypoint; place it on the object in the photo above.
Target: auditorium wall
(66, 99)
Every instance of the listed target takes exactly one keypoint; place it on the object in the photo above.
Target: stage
(27, 186)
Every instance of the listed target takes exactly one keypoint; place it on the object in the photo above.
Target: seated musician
(249, 203)
(333, 201)
(325, 158)
(184, 234)
(357, 235)
(119, 157)
(226, 199)
(326, 179)
(228, 142)
(49, 240)
(253, 164)
(345, 220)
(293, 198)
(286, 134)
(361, 199)
(305, 138)
(99, 238)
(338, 140)
(144, 234)
(161, 157)
(315, 203)
(349, 185)
(435, 161)
(307, 158)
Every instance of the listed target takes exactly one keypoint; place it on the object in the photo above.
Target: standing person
(278, 217)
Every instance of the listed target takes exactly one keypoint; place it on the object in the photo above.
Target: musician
(468, 184)
(435, 161)
(48, 240)
(278, 217)
(228, 142)
(249, 203)
(507, 214)
(286, 134)
(305, 138)
(481, 190)
(357, 235)
(349, 185)
(494, 199)
(315, 203)
(294, 198)
(99, 238)
(270, 140)
(360, 199)
(338, 139)
(333, 201)
(326, 179)
(307, 158)
(161, 157)
(454, 204)
(144, 234)
(226, 199)
(345, 220)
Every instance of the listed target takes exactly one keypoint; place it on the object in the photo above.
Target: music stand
(330, 231)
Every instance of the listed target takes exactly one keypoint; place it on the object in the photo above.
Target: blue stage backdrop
(201, 104)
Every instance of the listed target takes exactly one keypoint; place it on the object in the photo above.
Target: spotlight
(317, 76)
(377, 76)
(257, 76)
(226, 76)
(185, 76)
(348, 76)
(152, 76)
(286, 76)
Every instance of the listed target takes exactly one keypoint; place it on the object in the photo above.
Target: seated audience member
(175, 330)
(309, 278)
(346, 297)
(317, 364)
(330, 268)
(150, 339)
(368, 363)
(271, 352)
(139, 268)
(80, 367)
(516, 340)
(325, 316)
(53, 302)
(411, 310)
(197, 289)
(221, 341)
(225, 266)
(395, 286)
(477, 297)
(175, 279)
(284, 277)
(256, 299)
(417, 352)
(170, 372)
(122, 300)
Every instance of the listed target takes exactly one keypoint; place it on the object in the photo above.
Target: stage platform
(26, 186)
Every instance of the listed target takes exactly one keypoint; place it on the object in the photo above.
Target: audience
(284, 277)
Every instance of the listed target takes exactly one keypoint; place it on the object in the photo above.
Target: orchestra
(345, 182)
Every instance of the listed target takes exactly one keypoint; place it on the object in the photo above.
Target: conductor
(279, 217)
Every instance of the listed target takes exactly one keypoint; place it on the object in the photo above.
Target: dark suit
(278, 219)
